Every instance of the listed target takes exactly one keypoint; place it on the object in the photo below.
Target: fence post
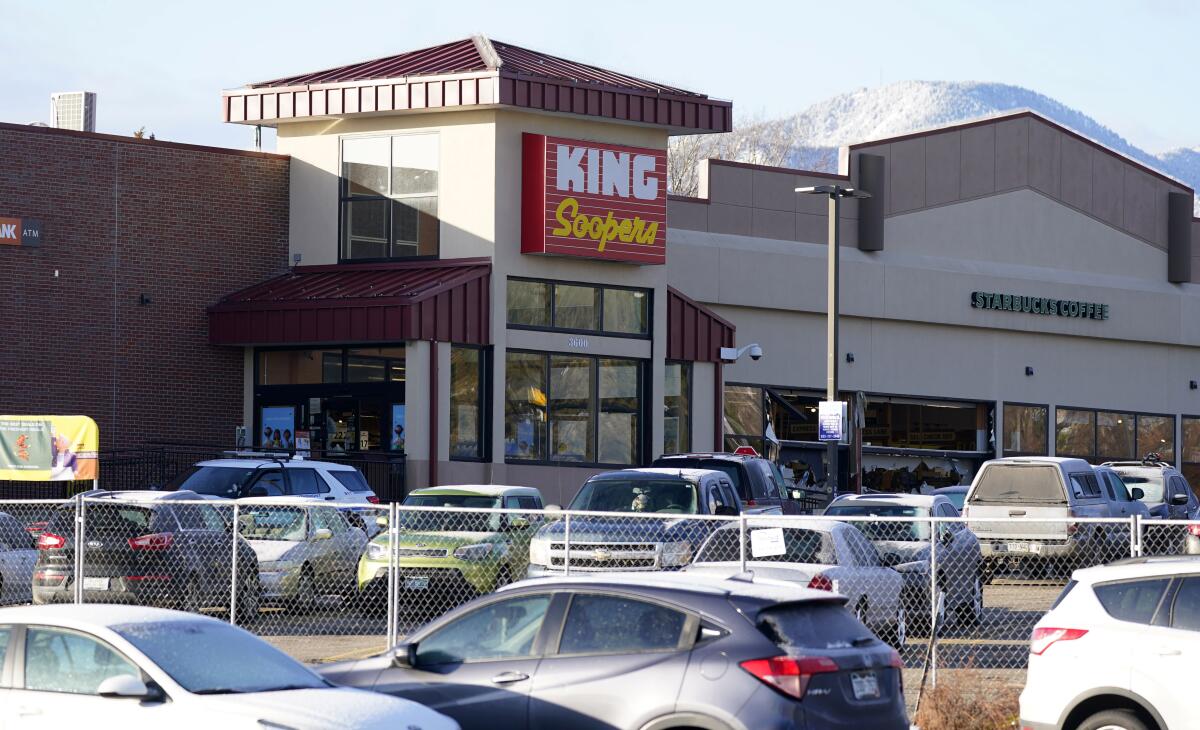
(567, 545)
(742, 540)
(80, 526)
(233, 569)
(393, 578)
(1135, 536)
(933, 602)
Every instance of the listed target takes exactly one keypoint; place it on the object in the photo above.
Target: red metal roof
(446, 301)
(695, 333)
(476, 72)
(472, 54)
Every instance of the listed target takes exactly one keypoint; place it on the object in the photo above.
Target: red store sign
(593, 200)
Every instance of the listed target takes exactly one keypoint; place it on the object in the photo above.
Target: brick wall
(121, 217)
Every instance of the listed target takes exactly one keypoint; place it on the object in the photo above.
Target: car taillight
(821, 583)
(895, 662)
(50, 541)
(1043, 637)
(750, 503)
(789, 675)
(372, 499)
(157, 541)
(1072, 528)
(1194, 530)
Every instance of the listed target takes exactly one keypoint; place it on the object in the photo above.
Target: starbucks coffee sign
(1039, 305)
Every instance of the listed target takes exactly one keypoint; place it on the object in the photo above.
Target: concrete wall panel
(735, 219)
(773, 190)
(942, 168)
(774, 224)
(978, 161)
(906, 169)
(733, 185)
(1045, 157)
(1076, 173)
(1141, 206)
(1012, 154)
(1108, 189)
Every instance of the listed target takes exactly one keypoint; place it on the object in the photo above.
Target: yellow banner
(49, 448)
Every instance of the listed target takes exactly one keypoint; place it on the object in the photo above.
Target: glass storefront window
(743, 410)
(375, 365)
(1191, 451)
(913, 424)
(528, 303)
(794, 414)
(571, 409)
(1114, 436)
(1074, 433)
(1025, 430)
(299, 367)
(625, 311)
(620, 411)
(576, 307)
(677, 404)
(466, 403)
(1156, 434)
(389, 197)
(525, 406)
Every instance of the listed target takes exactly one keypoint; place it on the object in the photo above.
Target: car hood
(320, 709)
(272, 550)
(448, 540)
(617, 529)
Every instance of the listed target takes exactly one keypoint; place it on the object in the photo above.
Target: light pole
(835, 193)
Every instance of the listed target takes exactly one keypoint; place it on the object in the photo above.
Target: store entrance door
(341, 424)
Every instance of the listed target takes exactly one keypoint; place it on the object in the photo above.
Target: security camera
(755, 352)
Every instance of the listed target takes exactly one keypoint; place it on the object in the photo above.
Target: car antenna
(746, 576)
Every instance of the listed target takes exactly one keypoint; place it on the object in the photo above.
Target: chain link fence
(326, 582)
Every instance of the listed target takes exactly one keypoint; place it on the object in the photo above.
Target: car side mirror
(517, 522)
(124, 685)
(1136, 493)
(1179, 499)
(405, 656)
(322, 533)
(724, 510)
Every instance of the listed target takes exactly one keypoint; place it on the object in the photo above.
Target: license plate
(865, 684)
(1018, 547)
(1035, 548)
(95, 584)
(416, 583)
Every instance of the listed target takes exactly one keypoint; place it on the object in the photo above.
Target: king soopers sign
(593, 200)
(1039, 305)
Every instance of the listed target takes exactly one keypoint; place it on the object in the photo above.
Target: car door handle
(1169, 652)
(330, 499)
(509, 677)
(1016, 512)
(28, 711)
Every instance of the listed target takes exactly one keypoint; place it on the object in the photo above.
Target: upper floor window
(389, 197)
(578, 308)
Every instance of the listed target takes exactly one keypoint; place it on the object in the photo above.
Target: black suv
(758, 481)
(145, 548)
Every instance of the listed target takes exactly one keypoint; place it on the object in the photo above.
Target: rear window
(352, 480)
(731, 469)
(1019, 484)
(813, 625)
(219, 481)
(800, 546)
(899, 531)
(1134, 600)
(105, 519)
(1150, 484)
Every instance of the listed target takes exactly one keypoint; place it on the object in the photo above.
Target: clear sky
(1131, 65)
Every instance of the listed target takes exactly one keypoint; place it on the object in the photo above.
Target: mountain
(810, 140)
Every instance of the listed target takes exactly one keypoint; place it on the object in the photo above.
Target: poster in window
(278, 425)
(671, 434)
(467, 426)
(525, 440)
(397, 427)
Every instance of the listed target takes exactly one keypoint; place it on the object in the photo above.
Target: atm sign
(593, 200)
(20, 232)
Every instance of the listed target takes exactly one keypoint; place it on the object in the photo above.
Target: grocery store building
(467, 256)
(492, 277)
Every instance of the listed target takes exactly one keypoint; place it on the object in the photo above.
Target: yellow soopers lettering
(604, 230)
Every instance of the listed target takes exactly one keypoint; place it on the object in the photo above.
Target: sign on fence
(48, 448)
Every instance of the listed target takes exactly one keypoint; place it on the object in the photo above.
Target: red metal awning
(446, 301)
(694, 332)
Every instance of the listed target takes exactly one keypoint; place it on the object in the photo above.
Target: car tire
(1113, 720)
(249, 600)
(860, 611)
(190, 601)
(306, 591)
(896, 634)
(970, 612)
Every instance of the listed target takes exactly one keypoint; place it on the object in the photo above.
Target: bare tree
(758, 141)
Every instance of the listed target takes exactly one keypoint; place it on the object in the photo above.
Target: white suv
(1117, 649)
(253, 475)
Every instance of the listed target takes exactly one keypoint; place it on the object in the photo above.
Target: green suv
(453, 556)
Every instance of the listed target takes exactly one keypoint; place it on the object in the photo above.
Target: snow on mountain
(810, 140)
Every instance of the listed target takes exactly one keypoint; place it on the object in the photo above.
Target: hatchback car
(260, 476)
(1116, 649)
(634, 651)
(148, 548)
(110, 666)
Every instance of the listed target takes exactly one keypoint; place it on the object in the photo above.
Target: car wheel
(971, 612)
(306, 591)
(249, 600)
(897, 633)
(860, 611)
(1113, 720)
(190, 600)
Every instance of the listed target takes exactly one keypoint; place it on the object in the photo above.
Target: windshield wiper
(220, 691)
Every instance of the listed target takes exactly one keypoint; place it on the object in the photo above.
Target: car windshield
(210, 657)
(1150, 484)
(451, 521)
(897, 531)
(799, 546)
(665, 496)
(218, 481)
(273, 523)
(1019, 484)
